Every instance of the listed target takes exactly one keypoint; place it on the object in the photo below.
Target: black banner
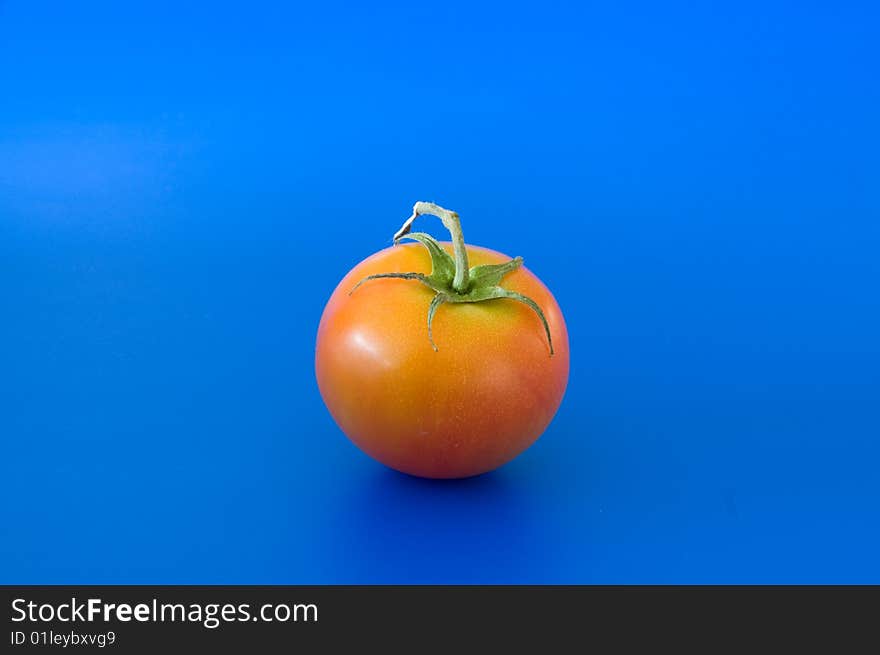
(281, 618)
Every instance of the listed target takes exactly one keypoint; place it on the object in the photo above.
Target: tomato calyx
(451, 279)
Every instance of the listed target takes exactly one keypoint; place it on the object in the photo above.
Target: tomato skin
(485, 396)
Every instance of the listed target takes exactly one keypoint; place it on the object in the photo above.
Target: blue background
(182, 187)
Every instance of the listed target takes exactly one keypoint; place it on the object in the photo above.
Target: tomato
(465, 398)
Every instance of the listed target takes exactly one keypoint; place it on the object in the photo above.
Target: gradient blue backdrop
(182, 187)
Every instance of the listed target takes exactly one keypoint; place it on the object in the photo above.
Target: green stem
(451, 279)
(451, 221)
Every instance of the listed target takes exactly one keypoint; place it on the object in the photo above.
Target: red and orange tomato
(466, 400)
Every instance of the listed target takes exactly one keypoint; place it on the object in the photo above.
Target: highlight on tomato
(441, 360)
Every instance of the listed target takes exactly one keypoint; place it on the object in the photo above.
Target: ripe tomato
(484, 395)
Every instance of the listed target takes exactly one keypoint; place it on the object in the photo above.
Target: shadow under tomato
(390, 528)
